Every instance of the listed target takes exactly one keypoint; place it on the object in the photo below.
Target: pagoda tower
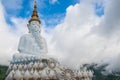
(32, 62)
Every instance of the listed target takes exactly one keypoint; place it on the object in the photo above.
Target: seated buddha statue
(33, 42)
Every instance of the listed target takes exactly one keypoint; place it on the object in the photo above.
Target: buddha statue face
(34, 26)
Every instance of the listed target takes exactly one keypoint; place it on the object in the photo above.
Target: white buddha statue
(33, 42)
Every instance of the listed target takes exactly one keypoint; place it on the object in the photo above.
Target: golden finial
(34, 16)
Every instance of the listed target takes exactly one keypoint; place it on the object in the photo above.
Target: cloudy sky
(76, 31)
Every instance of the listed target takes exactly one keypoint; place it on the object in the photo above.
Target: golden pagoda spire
(34, 16)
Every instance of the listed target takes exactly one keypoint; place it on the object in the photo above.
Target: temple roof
(35, 16)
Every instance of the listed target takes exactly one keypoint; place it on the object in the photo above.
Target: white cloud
(111, 21)
(72, 37)
(8, 37)
(53, 1)
(75, 42)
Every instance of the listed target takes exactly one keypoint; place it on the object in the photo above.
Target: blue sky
(99, 9)
(51, 11)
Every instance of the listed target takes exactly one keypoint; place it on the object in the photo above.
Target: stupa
(32, 62)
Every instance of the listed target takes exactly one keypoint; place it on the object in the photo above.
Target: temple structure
(33, 63)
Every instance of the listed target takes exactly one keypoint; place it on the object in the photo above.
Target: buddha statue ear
(28, 28)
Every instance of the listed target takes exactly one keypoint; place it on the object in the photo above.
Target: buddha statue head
(34, 22)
